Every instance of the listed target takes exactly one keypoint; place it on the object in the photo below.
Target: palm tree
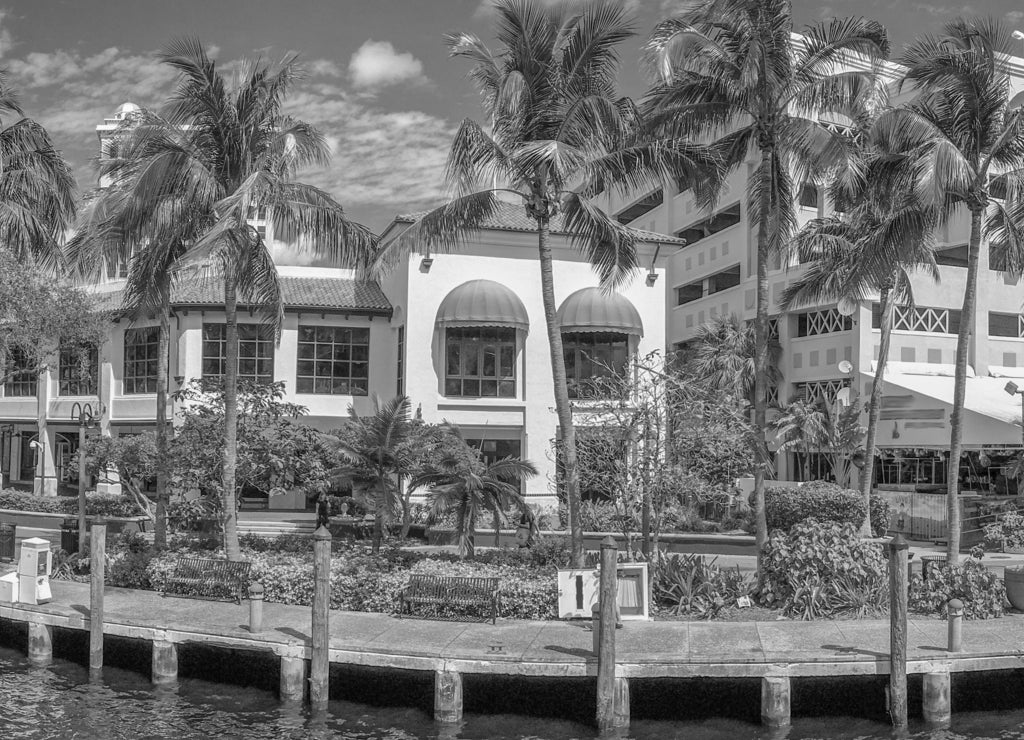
(962, 130)
(729, 71)
(373, 447)
(872, 249)
(189, 179)
(37, 188)
(721, 357)
(469, 488)
(559, 134)
(801, 426)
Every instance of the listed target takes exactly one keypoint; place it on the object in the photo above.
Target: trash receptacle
(7, 541)
(69, 537)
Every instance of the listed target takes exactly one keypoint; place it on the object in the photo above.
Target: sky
(379, 83)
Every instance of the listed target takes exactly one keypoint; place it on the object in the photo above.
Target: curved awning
(483, 303)
(596, 310)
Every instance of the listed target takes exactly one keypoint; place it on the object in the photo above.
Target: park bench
(205, 578)
(446, 591)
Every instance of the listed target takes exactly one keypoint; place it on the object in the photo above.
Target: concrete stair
(275, 527)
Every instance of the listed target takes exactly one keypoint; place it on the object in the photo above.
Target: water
(60, 702)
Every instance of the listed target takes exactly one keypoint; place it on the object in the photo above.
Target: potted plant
(1007, 531)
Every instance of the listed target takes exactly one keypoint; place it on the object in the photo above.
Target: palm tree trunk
(378, 515)
(867, 473)
(163, 341)
(963, 341)
(231, 547)
(761, 360)
(570, 471)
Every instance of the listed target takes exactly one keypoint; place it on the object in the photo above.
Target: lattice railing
(934, 320)
(822, 390)
(828, 321)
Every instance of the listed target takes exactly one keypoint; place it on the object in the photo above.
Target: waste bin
(7, 541)
(69, 537)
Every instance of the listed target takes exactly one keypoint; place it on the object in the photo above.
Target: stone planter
(1013, 578)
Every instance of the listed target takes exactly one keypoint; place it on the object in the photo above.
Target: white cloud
(6, 40)
(377, 64)
(1015, 16)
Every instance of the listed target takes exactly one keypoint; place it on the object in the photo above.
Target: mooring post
(165, 662)
(97, 576)
(775, 701)
(256, 607)
(293, 675)
(955, 619)
(936, 706)
(447, 696)
(40, 643)
(898, 631)
(609, 716)
(320, 663)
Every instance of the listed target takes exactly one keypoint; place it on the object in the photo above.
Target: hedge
(824, 501)
(96, 504)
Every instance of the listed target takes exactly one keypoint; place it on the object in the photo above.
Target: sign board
(578, 592)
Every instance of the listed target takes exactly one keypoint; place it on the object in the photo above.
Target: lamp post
(86, 418)
(1013, 389)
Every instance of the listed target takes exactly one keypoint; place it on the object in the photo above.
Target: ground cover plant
(96, 504)
(981, 591)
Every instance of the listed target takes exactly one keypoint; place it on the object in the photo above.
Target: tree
(134, 456)
(559, 134)
(37, 188)
(375, 447)
(963, 130)
(873, 249)
(220, 151)
(801, 427)
(730, 71)
(722, 356)
(469, 487)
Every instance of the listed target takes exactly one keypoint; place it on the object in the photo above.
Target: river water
(60, 701)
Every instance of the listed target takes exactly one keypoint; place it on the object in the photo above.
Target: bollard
(40, 643)
(935, 705)
(255, 608)
(608, 718)
(898, 631)
(165, 662)
(955, 620)
(447, 696)
(320, 663)
(97, 577)
(775, 701)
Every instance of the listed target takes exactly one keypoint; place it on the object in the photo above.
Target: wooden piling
(607, 717)
(775, 701)
(935, 705)
(320, 663)
(447, 696)
(165, 662)
(97, 577)
(40, 643)
(293, 678)
(255, 608)
(898, 631)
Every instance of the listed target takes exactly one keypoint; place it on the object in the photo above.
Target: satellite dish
(847, 307)
(845, 367)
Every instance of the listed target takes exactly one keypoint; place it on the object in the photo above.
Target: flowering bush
(981, 591)
(816, 568)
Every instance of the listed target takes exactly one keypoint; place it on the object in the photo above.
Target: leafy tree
(376, 447)
(800, 426)
(134, 457)
(961, 133)
(559, 134)
(220, 151)
(470, 487)
(729, 71)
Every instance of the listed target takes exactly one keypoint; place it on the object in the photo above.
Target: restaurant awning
(483, 303)
(596, 310)
(919, 406)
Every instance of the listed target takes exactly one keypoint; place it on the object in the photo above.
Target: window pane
(471, 388)
(507, 389)
(490, 368)
(489, 388)
(303, 385)
(508, 354)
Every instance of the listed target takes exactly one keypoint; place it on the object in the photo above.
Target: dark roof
(512, 217)
(314, 293)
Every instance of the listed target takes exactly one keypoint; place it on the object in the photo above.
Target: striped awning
(596, 310)
(483, 303)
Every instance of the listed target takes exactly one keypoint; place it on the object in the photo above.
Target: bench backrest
(208, 567)
(424, 585)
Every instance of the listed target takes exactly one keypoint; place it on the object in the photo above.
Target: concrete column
(293, 678)
(448, 696)
(165, 662)
(775, 701)
(40, 643)
(45, 477)
(936, 705)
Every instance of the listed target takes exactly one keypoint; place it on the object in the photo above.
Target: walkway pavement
(661, 648)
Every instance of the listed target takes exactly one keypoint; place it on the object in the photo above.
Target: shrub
(1006, 531)
(826, 502)
(981, 591)
(130, 569)
(694, 585)
(194, 515)
(293, 543)
(550, 550)
(880, 514)
(805, 569)
(96, 504)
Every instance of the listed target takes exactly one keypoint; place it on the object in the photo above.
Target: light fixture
(1011, 388)
(652, 278)
(426, 262)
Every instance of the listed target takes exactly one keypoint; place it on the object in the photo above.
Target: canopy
(596, 310)
(483, 303)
